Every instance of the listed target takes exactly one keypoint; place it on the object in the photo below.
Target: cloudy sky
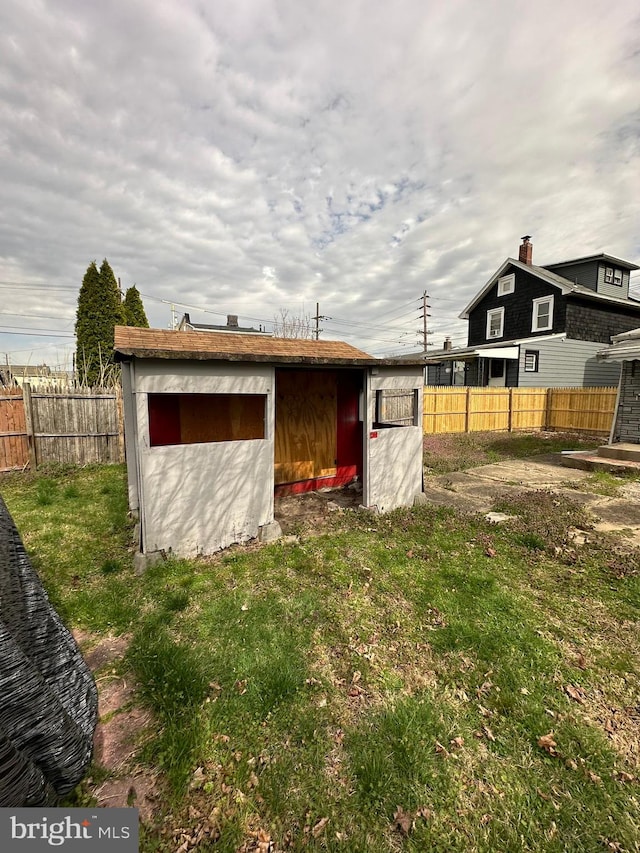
(259, 156)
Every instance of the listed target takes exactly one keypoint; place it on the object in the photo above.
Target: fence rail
(449, 410)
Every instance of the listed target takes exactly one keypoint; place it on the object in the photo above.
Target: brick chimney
(525, 255)
(447, 344)
(232, 321)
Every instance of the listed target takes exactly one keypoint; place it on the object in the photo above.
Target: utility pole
(424, 316)
(317, 318)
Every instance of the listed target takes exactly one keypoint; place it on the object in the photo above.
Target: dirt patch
(98, 652)
(137, 791)
(311, 511)
(121, 725)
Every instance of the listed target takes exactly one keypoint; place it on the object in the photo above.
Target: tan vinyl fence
(448, 410)
(63, 425)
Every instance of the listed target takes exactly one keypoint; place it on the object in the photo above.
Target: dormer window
(506, 284)
(613, 276)
(495, 323)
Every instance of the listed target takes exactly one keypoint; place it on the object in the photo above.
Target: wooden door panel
(306, 417)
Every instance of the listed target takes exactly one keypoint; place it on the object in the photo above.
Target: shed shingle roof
(223, 346)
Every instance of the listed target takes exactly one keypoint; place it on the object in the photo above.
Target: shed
(215, 424)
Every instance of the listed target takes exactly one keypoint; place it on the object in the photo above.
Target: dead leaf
(425, 813)
(457, 741)
(623, 776)
(241, 686)
(575, 693)
(355, 678)
(319, 827)
(488, 733)
(402, 821)
(594, 777)
(571, 764)
(490, 552)
(410, 554)
(548, 743)
(581, 661)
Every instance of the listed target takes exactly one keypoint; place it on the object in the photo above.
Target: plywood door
(306, 418)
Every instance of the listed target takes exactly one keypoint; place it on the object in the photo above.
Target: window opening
(396, 408)
(204, 418)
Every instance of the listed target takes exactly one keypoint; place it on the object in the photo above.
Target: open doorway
(318, 429)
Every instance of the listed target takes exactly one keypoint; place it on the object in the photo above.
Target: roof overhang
(625, 347)
(510, 352)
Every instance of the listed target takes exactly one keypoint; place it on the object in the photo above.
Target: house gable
(518, 306)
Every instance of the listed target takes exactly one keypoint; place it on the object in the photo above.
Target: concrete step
(587, 460)
(622, 450)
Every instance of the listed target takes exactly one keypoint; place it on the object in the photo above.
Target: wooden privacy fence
(14, 448)
(491, 409)
(78, 426)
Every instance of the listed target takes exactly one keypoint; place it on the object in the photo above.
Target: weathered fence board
(79, 426)
(14, 449)
(448, 410)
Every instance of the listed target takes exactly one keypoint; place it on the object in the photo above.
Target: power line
(14, 285)
(28, 334)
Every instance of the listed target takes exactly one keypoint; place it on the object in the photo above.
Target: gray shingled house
(534, 326)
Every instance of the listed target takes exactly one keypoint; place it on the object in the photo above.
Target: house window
(396, 408)
(201, 418)
(542, 314)
(495, 323)
(531, 358)
(613, 276)
(506, 284)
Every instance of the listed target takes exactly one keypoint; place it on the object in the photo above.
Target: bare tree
(286, 325)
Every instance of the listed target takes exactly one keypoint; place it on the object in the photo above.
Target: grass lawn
(416, 681)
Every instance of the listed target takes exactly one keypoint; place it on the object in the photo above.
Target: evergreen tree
(134, 314)
(99, 310)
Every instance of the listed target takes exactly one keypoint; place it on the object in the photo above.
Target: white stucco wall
(199, 498)
(393, 456)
